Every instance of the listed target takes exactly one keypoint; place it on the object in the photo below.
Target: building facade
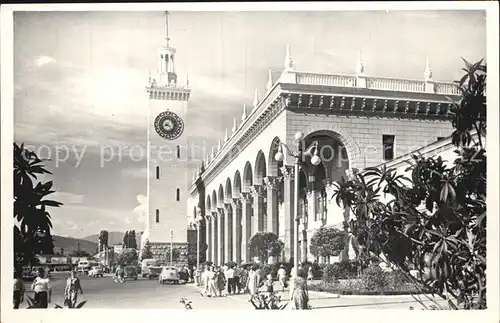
(167, 182)
(354, 121)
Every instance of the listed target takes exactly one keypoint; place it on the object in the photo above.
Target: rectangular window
(388, 147)
(157, 172)
(157, 216)
(178, 194)
(178, 149)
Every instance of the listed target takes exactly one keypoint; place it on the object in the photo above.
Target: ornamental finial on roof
(289, 65)
(428, 71)
(219, 146)
(270, 80)
(213, 152)
(226, 137)
(256, 99)
(234, 127)
(244, 115)
(360, 68)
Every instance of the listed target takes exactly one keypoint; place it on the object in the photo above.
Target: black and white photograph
(285, 159)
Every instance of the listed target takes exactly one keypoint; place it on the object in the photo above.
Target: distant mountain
(69, 244)
(114, 237)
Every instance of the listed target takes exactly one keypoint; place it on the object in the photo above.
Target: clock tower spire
(168, 160)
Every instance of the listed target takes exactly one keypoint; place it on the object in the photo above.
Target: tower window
(157, 172)
(157, 216)
(178, 194)
(440, 138)
(388, 147)
(178, 149)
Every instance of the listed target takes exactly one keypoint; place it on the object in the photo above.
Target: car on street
(169, 274)
(96, 271)
(35, 270)
(28, 273)
(130, 272)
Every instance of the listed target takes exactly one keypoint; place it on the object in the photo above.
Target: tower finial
(187, 80)
(167, 39)
(219, 146)
(428, 71)
(226, 137)
(244, 115)
(288, 59)
(149, 75)
(234, 127)
(256, 99)
(270, 80)
(360, 68)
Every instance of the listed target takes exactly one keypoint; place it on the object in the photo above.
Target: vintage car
(130, 272)
(169, 274)
(96, 271)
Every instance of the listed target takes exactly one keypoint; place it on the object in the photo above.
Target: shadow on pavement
(358, 305)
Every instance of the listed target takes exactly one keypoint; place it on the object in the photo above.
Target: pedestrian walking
(282, 277)
(300, 294)
(236, 280)
(310, 275)
(18, 289)
(269, 283)
(253, 281)
(211, 289)
(231, 287)
(73, 286)
(220, 281)
(42, 289)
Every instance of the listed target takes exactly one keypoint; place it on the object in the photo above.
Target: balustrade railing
(375, 83)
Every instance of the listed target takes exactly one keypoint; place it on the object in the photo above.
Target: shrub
(340, 270)
(374, 278)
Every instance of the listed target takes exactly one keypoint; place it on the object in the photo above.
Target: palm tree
(32, 230)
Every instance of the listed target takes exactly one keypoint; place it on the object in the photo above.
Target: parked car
(130, 272)
(154, 271)
(35, 269)
(169, 274)
(96, 271)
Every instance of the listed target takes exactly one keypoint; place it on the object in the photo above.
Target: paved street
(149, 294)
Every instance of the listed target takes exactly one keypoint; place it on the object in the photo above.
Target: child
(269, 284)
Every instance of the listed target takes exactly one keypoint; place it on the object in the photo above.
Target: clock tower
(168, 159)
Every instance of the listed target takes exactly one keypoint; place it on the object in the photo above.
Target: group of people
(218, 281)
(43, 291)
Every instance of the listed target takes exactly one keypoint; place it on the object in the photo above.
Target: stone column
(272, 186)
(220, 236)
(236, 225)
(228, 240)
(215, 240)
(289, 216)
(258, 208)
(246, 225)
(208, 236)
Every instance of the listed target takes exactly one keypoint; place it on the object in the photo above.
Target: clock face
(169, 125)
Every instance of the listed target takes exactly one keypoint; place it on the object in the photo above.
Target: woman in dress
(73, 286)
(253, 281)
(42, 289)
(212, 290)
(220, 281)
(300, 295)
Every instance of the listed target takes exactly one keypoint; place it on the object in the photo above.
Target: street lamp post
(298, 155)
(171, 246)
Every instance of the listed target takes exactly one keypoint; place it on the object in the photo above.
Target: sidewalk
(323, 300)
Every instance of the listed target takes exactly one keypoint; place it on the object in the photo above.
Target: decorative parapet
(376, 83)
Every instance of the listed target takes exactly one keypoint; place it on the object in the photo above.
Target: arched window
(157, 172)
(178, 194)
(157, 216)
(178, 149)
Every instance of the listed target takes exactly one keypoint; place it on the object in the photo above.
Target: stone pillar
(220, 237)
(258, 208)
(237, 238)
(208, 236)
(289, 216)
(303, 243)
(228, 240)
(246, 225)
(215, 240)
(272, 185)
